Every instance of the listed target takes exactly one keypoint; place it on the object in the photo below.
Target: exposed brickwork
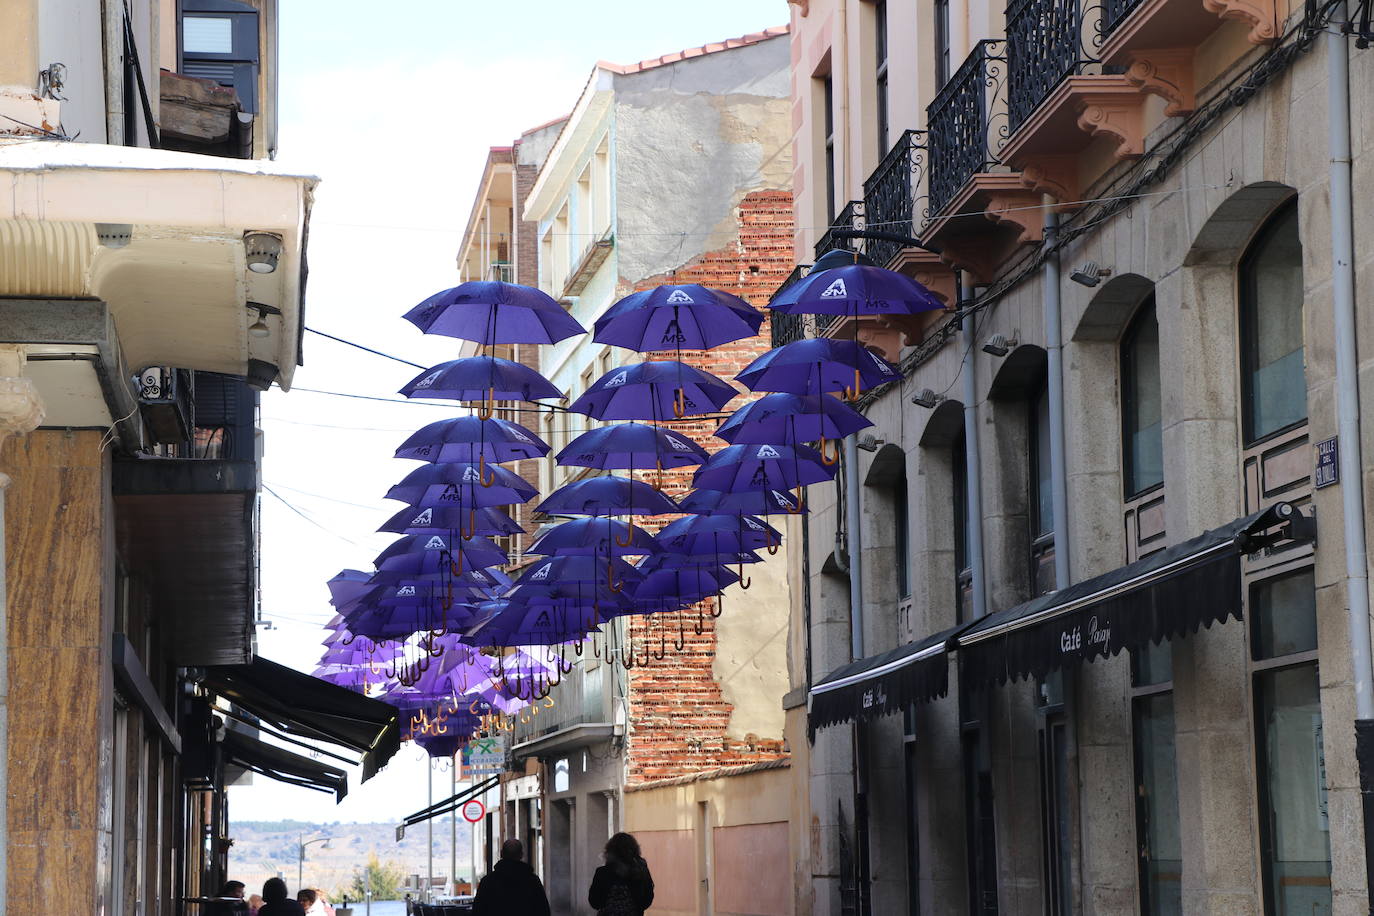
(678, 716)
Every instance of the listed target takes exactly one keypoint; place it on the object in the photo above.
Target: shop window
(1274, 386)
(1159, 846)
(1056, 820)
(1142, 443)
(1294, 826)
(219, 41)
(880, 42)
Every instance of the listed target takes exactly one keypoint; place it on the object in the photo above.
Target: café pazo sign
(1083, 639)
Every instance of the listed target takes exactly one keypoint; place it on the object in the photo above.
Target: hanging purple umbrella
(856, 290)
(563, 570)
(533, 625)
(419, 554)
(470, 440)
(750, 502)
(608, 495)
(684, 584)
(443, 519)
(593, 537)
(762, 467)
(654, 390)
(696, 535)
(788, 419)
(481, 378)
(684, 316)
(494, 312)
(631, 445)
(347, 585)
(817, 366)
(461, 485)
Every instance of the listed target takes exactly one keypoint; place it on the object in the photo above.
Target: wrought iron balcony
(890, 194)
(1045, 44)
(851, 217)
(966, 126)
(787, 328)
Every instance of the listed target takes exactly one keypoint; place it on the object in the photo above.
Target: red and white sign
(474, 811)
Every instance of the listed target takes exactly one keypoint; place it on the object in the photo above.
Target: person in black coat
(276, 901)
(623, 886)
(511, 888)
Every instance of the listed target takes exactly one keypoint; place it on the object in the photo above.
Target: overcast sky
(394, 107)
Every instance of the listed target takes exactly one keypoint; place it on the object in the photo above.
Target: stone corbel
(927, 269)
(1055, 175)
(803, 6)
(21, 410)
(1121, 119)
(1167, 73)
(1019, 208)
(1261, 15)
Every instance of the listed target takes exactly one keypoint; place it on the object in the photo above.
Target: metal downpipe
(853, 517)
(1351, 462)
(1054, 378)
(974, 522)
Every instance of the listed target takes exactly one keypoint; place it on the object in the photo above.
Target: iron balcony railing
(890, 194)
(1114, 12)
(583, 697)
(961, 137)
(786, 328)
(851, 217)
(1045, 45)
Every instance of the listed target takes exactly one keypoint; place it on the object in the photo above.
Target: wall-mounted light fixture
(1090, 273)
(927, 397)
(1000, 345)
(114, 235)
(261, 250)
(259, 327)
(871, 443)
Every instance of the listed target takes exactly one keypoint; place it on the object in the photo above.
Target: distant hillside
(262, 849)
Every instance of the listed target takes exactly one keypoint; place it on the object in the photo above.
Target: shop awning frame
(1168, 594)
(282, 765)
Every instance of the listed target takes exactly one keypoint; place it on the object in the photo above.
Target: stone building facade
(1136, 222)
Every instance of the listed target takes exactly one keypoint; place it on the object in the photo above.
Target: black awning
(307, 707)
(883, 684)
(1167, 594)
(282, 765)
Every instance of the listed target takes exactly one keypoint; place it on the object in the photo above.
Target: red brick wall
(678, 717)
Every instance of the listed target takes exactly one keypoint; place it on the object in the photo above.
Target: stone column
(20, 411)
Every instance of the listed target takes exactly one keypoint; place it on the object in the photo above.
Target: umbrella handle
(852, 394)
(700, 625)
(680, 403)
(347, 640)
(801, 503)
(455, 562)
(472, 525)
(681, 640)
(719, 607)
(771, 545)
(489, 403)
(482, 472)
(827, 458)
(629, 535)
(743, 582)
(629, 663)
(662, 648)
(610, 577)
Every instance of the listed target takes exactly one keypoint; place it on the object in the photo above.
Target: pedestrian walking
(623, 886)
(511, 888)
(230, 890)
(276, 901)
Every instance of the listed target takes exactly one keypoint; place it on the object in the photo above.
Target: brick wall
(678, 717)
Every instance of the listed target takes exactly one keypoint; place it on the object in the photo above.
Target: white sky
(395, 113)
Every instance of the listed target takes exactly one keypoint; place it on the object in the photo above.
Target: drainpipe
(1348, 410)
(974, 486)
(1054, 372)
(853, 515)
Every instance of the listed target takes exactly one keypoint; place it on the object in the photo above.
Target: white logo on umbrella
(767, 451)
(424, 518)
(677, 297)
(752, 524)
(470, 474)
(429, 379)
(781, 499)
(540, 573)
(405, 591)
(836, 290)
(617, 379)
(677, 444)
(517, 434)
(435, 543)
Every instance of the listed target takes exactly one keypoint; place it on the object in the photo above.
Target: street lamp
(301, 843)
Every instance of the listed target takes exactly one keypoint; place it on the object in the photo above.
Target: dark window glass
(1152, 664)
(1295, 828)
(1157, 826)
(963, 584)
(1142, 445)
(1271, 294)
(1283, 616)
(901, 537)
(941, 43)
(1042, 503)
(828, 90)
(880, 35)
(1055, 821)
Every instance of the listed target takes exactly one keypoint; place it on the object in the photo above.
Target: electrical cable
(359, 346)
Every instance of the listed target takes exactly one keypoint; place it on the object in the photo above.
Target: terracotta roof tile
(686, 53)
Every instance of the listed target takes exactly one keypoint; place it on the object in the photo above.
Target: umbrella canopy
(749, 502)
(817, 366)
(697, 535)
(788, 419)
(480, 378)
(684, 316)
(472, 439)
(608, 495)
(494, 312)
(654, 390)
(533, 625)
(762, 467)
(348, 585)
(461, 485)
(857, 290)
(443, 519)
(593, 537)
(631, 445)
(687, 584)
(421, 554)
(561, 570)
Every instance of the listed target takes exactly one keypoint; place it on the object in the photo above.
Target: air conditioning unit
(164, 401)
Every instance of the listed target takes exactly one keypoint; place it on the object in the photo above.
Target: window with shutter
(219, 41)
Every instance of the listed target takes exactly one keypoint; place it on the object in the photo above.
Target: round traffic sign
(473, 811)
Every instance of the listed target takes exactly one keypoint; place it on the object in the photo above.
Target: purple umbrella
(481, 378)
(684, 316)
(788, 419)
(563, 570)
(347, 585)
(593, 537)
(471, 440)
(762, 467)
(684, 585)
(817, 366)
(443, 519)
(419, 554)
(461, 485)
(654, 390)
(609, 495)
(750, 502)
(631, 445)
(698, 535)
(533, 625)
(493, 312)
(856, 290)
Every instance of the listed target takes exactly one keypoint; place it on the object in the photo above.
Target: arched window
(1142, 444)
(1274, 387)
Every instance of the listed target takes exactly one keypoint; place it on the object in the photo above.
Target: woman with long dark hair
(623, 886)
